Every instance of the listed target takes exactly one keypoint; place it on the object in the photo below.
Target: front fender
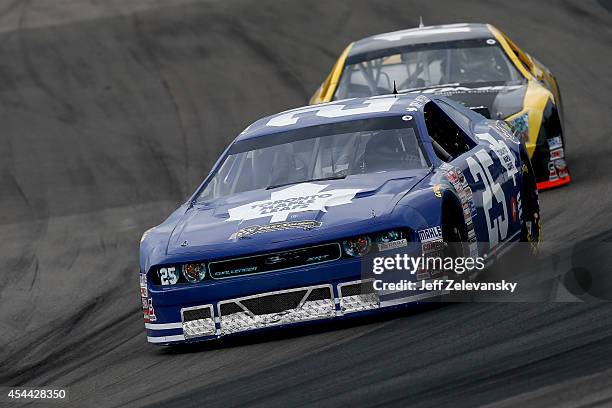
(427, 204)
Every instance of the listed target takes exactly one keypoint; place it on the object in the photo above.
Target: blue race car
(277, 234)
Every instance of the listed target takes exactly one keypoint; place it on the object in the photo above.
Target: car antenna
(421, 25)
(394, 89)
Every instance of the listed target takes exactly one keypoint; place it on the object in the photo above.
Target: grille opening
(271, 309)
(230, 308)
(198, 321)
(358, 296)
(319, 294)
(362, 288)
(196, 314)
(274, 303)
(274, 261)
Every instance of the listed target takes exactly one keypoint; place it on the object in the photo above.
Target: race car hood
(290, 215)
(500, 101)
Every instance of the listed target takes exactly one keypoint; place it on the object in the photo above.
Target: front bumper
(298, 305)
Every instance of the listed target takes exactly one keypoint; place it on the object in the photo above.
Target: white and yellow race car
(475, 64)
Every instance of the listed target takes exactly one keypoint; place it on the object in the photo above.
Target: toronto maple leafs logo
(298, 198)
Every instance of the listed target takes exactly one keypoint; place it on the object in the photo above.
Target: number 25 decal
(498, 227)
(168, 276)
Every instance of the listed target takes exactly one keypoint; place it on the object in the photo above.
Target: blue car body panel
(486, 181)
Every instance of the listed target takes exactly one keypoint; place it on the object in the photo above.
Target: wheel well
(452, 215)
(529, 195)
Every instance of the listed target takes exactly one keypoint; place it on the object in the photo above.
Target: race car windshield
(465, 62)
(317, 153)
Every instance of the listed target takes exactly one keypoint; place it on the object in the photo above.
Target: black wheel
(531, 229)
(454, 231)
(454, 235)
(454, 240)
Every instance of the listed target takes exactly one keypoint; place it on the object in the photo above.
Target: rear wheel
(531, 228)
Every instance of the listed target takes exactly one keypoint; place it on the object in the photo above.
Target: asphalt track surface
(111, 113)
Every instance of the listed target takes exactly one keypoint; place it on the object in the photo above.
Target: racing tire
(454, 235)
(531, 227)
(454, 232)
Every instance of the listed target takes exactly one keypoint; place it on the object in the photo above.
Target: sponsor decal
(446, 167)
(298, 198)
(149, 312)
(437, 190)
(144, 297)
(318, 258)
(385, 246)
(453, 90)
(472, 207)
(262, 263)
(467, 211)
(520, 127)
(457, 179)
(232, 272)
(460, 177)
(247, 232)
(505, 131)
(418, 103)
(274, 259)
(432, 246)
(430, 234)
(554, 143)
(562, 168)
(552, 172)
(147, 303)
(143, 286)
(556, 154)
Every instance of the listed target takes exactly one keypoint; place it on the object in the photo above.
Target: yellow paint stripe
(503, 41)
(535, 100)
(335, 75)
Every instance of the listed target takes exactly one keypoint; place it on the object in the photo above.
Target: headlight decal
(194, 272)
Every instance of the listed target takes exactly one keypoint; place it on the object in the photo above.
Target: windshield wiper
(305, 181)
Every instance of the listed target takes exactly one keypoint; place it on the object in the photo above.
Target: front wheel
(454, 235)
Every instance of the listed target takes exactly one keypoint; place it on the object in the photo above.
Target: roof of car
(335, 112)
(428, 34)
